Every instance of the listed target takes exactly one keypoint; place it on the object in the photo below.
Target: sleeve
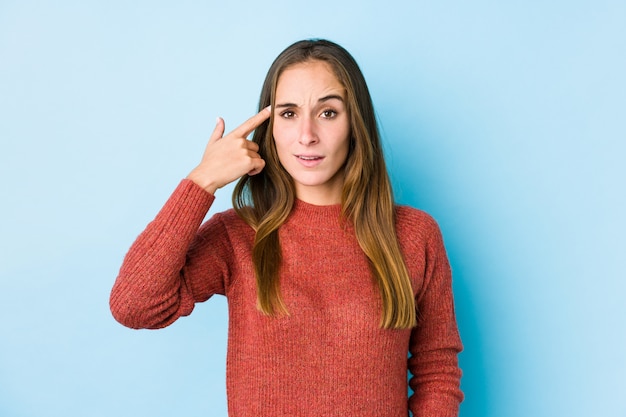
(159, 280)
(435, 341)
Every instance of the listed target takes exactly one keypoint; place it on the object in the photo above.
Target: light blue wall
(504, 120)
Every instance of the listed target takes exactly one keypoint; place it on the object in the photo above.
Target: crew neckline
(319, 206)
(312, 213)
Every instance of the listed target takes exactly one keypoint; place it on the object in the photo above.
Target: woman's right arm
(152, 289)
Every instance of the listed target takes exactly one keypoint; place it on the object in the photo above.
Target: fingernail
(268, 108)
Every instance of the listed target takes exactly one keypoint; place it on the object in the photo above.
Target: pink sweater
(329, 357)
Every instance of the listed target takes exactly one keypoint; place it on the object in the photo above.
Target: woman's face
(312, 130)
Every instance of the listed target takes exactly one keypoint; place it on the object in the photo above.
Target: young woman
(334, 292)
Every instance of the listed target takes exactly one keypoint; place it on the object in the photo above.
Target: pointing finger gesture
(227, 158)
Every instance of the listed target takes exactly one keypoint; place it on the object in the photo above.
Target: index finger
(252, 123)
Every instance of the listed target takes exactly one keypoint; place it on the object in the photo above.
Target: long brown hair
(265, 200)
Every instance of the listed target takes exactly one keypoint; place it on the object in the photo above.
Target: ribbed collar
(315, 215)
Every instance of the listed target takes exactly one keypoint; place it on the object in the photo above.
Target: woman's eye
(329, 114)
(287, 114)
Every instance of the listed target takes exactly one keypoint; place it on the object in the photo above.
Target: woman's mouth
(309, 161)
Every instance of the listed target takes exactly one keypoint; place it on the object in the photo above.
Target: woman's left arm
(435, 341)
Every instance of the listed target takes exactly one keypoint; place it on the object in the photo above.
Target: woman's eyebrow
(321, 100)
(286, 105)
(330, 97)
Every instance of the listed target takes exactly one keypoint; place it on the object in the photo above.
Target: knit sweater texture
(329, 356)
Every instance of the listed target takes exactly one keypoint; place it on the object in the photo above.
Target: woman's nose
(308, 133)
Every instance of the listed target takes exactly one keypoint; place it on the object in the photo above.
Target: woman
(329, 285)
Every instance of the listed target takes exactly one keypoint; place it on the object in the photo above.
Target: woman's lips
(309, 161)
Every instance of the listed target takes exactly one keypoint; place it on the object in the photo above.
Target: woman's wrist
(207, 184)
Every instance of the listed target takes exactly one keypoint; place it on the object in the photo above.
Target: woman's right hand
(227, 158)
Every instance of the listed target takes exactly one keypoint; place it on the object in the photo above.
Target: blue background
(504, 120)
